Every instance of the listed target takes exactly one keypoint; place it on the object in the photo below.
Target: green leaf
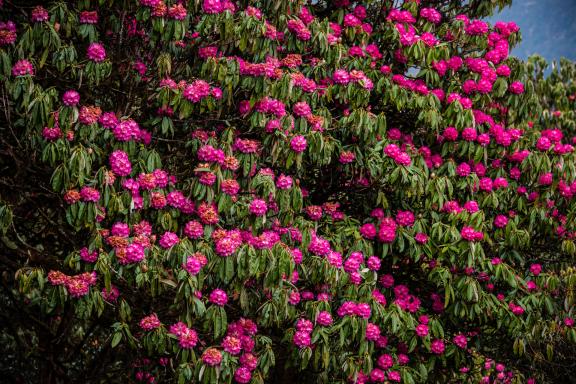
(116, 339)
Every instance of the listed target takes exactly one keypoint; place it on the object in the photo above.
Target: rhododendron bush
(283, 191)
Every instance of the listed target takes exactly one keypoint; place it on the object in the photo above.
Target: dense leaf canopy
(283, 191)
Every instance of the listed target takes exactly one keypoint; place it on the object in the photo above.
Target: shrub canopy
(283, 191)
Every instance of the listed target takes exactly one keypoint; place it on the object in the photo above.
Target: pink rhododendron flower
(298, 144)
(96, 52)
(212, 357)
(437, 346)
(150, 322)
(22, 68)
(218, 297)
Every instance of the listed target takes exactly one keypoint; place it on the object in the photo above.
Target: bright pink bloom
(437, 347)
(258, 207)
(302, 339)
(460, 341)
(298, 144)
(284, 182)
(242, 375)
(385, 361)
(96, 52)
(536, 269)
(212, 357)
(120, 163)
(421, 238)
(324, 318)
(193, 265)
(500, 221)
(150, 322)
(218, 297)
(39, 14)
(89, 194)
(422, 330)
(387, 231)
(89, 17)
(405, 218)
(368, 231)
(302, 109)
(87, 256)
(516, 88)
(70, 98)
(213, 6)
(22, 68)
(168, 240)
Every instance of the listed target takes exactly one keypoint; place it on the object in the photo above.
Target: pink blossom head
(450, 134)
(120, 163)
(535, 269)
(96, 52)
(421, 238)
(302, 338)
(212, 357)
(168, 240)
(22, 68)
(150, 322)
(516, 88)
(500, 221)
(39, 14)
(213, 6)
(242, 375)
(218, 297)
(258, 207)
(437, 346)
(460, 341)
(71, 98)
(298, 144)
